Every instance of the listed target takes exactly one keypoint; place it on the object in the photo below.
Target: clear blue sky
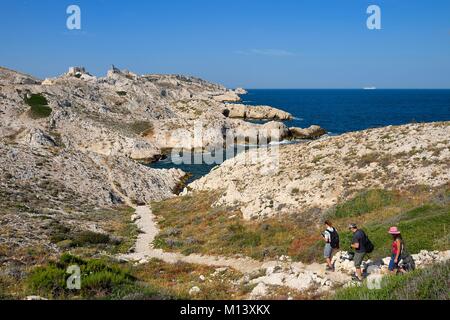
(249, 43)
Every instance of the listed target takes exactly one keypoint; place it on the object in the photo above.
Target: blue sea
(340, 111)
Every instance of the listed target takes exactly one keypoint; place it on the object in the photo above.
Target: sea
(341, 111)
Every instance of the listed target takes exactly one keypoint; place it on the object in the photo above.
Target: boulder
(229, 96)
(36, 138)
(312, 132)
(256, 112)
(240, 91)
(259, 291)
(274, 131)
(194, 291)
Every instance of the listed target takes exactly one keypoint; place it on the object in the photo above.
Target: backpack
(368, 244)
(334, 238)
(406, 260)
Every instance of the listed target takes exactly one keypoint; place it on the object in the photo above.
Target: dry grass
(177, 279)
(190, 225)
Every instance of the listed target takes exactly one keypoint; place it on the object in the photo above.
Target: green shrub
(364, 202)
(49, 280)
(141, 127)
(102, 282)
(89, 237)
(59, 232)
(426, 284)
(422, 229)
(99, 278)
(39, 106)
(240, 237)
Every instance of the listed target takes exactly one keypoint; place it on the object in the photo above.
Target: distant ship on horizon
(369, 88)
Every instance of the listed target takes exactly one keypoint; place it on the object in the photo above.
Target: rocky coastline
(73, 149)
(87, 135)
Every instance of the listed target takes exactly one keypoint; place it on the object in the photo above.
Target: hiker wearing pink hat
(397, 247)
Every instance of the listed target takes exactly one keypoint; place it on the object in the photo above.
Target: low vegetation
(99, 279)
(39, 106)
(118, 237)
(177, 279)
(106, 279)
(190, 225)
(364, 202)
(143, 128)
(431, 283)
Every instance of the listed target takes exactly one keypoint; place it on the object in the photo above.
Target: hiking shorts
(358, 259)
(327, 251)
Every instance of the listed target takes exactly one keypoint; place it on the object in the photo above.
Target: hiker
(331, 238)
(362, 245)
(397, 249)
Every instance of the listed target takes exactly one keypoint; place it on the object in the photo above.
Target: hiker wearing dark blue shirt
(358, 243)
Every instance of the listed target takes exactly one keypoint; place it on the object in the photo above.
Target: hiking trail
(144, 251)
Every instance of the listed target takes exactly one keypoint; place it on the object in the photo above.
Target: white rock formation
(312, 132)
(256, 112)
(194, 290)
(319, 174)
(240, 91)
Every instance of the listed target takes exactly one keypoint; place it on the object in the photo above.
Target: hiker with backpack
(362, 246)
(401, 260)
(397, 249)
(331, 238)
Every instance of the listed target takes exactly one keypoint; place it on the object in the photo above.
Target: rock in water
(312, 132)
(256, 112)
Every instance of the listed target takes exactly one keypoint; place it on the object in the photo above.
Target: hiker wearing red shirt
(397, 247)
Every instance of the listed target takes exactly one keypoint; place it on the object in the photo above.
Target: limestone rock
(312, 132)
(229, 96)
(36, 138)
(10, 77)
(240, 91)
(298, 178)
(35, 298)
(194, 290)
(255, 112)
(259, 291)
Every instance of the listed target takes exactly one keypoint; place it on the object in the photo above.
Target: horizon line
(377, 89)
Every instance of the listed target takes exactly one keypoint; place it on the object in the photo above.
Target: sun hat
(394, 230)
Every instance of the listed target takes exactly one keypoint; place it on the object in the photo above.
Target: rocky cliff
(317, 175)
(73, 143)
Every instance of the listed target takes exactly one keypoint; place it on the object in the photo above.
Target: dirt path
(144, 251)
(295, 275)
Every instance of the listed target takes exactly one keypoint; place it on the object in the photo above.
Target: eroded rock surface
(71, 145)
(256, 112)
(314, 176)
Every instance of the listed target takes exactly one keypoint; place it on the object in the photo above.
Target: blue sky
(249, 43)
